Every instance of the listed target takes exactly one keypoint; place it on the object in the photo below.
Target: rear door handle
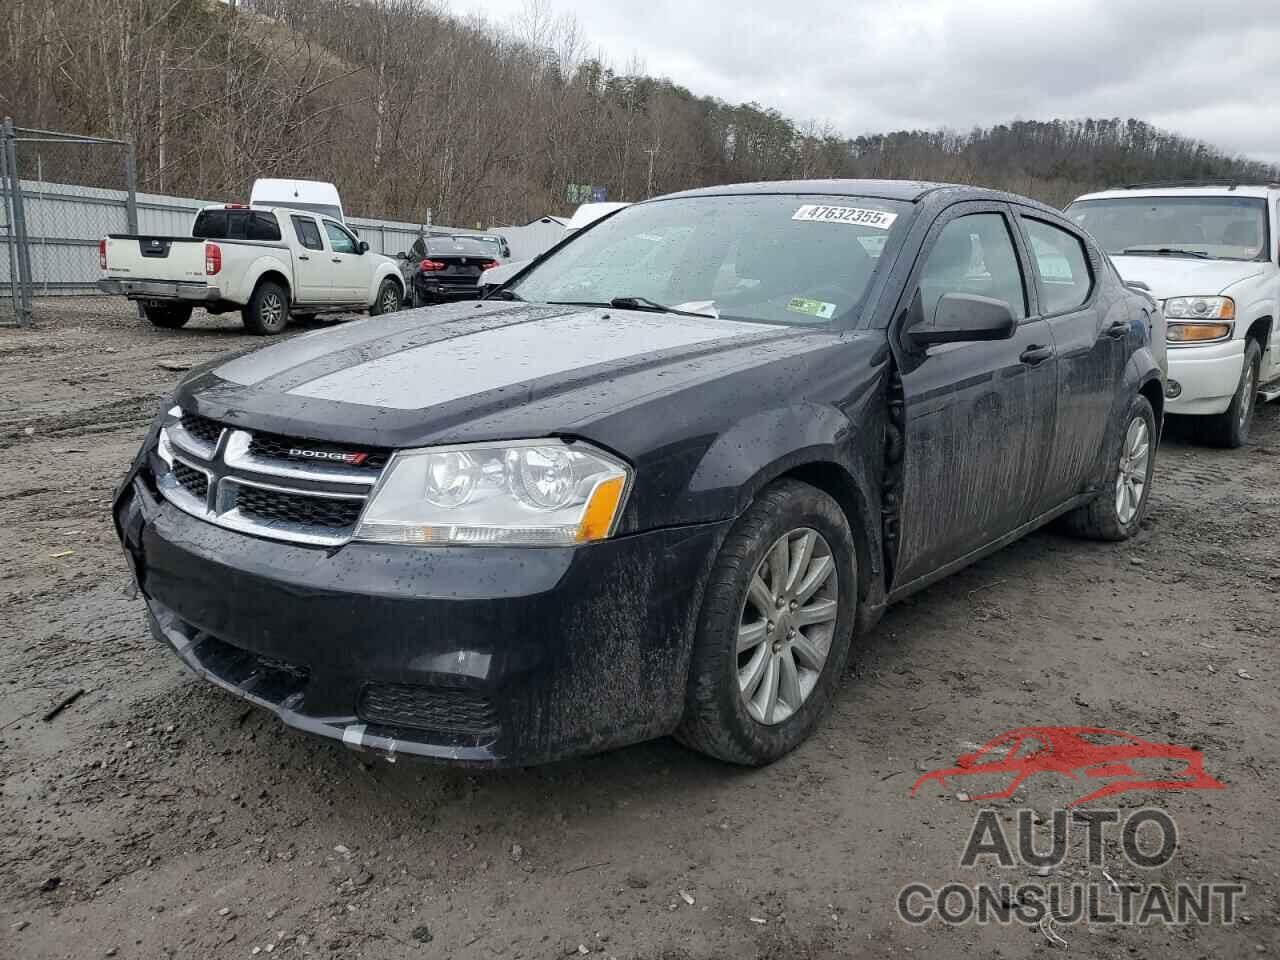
(1118, 329)
(303, 256)
(1035, 354)
(336, 259)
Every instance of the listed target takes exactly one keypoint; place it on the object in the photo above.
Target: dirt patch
(156, 816)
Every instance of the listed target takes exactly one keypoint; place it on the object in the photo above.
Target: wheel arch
(1260, 330)
(1153, 390)
(274, 275)
(838, 483)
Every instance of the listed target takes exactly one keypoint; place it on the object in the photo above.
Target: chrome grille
(225, 476)
(195, 482)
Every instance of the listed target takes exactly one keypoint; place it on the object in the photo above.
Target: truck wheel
(775, 627)
(168, 316)
(1118, 510)
(387, 300)
(1231, 429)
(267, 311)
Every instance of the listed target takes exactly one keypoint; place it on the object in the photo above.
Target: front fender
(383, 271)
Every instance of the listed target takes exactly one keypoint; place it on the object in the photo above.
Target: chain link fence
(59, 194)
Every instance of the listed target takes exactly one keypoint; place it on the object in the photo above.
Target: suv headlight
(1211, 319)
(524, 492)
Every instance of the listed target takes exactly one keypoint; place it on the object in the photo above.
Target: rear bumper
(482, 655)
(161, 290)
(435, 292)
(1207, 377)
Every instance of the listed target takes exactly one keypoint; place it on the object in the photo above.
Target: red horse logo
(1076, 752)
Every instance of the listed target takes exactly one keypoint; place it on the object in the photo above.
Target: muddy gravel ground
(158, 817)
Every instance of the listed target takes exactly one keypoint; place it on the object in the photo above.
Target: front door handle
(1035, 354)
(1118, 329)
(303, 256)
(336, 259)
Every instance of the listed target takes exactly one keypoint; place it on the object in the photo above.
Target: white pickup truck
(1210, 254)
(266, 262)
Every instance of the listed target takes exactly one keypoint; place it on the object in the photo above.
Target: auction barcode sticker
(857, 216)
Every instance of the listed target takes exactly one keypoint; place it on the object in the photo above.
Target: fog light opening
(1172, 389)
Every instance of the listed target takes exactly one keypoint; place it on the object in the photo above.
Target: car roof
(1210, 190)
(911, 191)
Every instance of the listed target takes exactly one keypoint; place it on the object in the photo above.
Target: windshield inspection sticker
(812, 308)
(857, 216)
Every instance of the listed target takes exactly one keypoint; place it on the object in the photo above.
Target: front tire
(388, 299)
(1117, 512)
(267, 312)
(1231, 429)
(775, 628)
(168, 316)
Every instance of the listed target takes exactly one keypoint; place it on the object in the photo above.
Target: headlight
(1200, 308)
(527, 492)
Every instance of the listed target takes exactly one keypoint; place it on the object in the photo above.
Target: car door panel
(977, 417)
(1091, 343)
(347, 265)
(312, 278)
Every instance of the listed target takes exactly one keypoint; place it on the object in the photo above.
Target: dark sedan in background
(443, 269)
(658, 484)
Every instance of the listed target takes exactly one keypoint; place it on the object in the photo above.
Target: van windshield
(775, 258)
(1218, 227)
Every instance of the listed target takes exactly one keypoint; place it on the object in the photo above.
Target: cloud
(1203, 69)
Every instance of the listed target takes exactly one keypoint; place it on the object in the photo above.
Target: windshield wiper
(503, 295)
(634, 303)
(1164, 252)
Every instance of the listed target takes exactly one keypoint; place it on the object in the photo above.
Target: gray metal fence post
(131, 184)
(10, 242)
(22, 302)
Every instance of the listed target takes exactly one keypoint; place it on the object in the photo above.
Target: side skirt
(919, 583)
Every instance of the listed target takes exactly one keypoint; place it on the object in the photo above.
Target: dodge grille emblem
(355, 459)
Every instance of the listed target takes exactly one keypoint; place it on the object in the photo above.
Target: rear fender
(1139, 371)
(258, 268)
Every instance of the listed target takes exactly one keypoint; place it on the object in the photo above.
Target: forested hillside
(409, 110)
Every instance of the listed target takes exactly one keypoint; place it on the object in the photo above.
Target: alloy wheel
(390, 300)
(270, 310)
(786, 625)
(1131, 482)
(1250, 388)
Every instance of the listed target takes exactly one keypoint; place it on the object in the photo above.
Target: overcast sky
(1205, 68)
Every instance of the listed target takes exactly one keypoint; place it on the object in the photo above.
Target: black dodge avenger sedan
(660, 484)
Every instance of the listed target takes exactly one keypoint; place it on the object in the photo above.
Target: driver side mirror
(402, 255)
(961, 318)
(363, 246)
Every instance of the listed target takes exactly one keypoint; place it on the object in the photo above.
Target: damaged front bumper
(474, 655)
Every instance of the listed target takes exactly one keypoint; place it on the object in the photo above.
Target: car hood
(1185, 276)
(479, 371)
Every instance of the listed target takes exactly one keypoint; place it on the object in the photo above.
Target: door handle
(303, 256)
(1118, 329)
(1035, 354)
(336, 259)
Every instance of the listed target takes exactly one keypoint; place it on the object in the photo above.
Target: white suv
(1209, 255)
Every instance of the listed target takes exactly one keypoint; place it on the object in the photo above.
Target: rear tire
(267, 312)
(728, 713)
(1117, 512)
(388, 299)
(168, 317)
(1231, 429)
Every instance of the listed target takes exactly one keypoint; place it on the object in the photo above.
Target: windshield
(802, 260)
(1222, 228)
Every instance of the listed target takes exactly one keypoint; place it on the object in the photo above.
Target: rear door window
(1062, 265)
(308, 233)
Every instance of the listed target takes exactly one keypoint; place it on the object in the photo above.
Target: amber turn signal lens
(1197, 332)
(601, 509)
